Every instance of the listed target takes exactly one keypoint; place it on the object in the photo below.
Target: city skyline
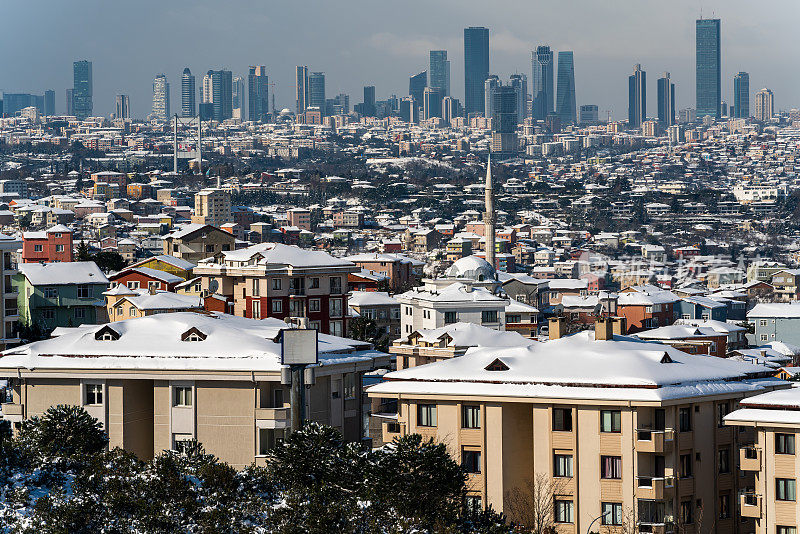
(354, 60)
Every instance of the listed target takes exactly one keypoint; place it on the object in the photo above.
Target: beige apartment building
(212, 206)
(768, 425)
(154, 382)
(621, 430)
(9, 314)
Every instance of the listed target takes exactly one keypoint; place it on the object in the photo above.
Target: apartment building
(195, 242)
(9, 314)
(613, 424)
(398, 268)
(154, 382)
(281, 281)
(212, 206)
(54, 244)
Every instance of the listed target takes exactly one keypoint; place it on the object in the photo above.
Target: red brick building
(146, 278)
(52, 245)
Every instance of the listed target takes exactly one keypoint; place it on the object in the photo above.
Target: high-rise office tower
(542, 82)
(70, 102)
(301, 88)
(238, 98)
(520, 84)
(368, 108)
(491, 83)
(123, 107)
(188, 94)
(218, 91)
(505, 101)
(589, 114)
(708, 68)
(49, 102)
(432, 103)
(161, 97)
(439, 70)
(637, 97)
(565, 97)
(316, 90)
(764, 105)
(451, 108)
(741, 95)
(257, 93)
(476, 68)
(82, 89)
(666, 100)
(416, 87)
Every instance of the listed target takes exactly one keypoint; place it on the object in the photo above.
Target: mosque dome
(472, 268)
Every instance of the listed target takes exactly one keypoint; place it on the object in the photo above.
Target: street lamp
(595, 520)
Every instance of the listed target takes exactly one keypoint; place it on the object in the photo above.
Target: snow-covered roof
(472, 335)
(677, 331)
(472, 268)
(775, 407)
(153, 273)
(515, 306)
(455, 292)
(169, 260)
(164, 301)
(775, 309)
(567, 284)
(371, 298)
(578, 366)
(719, 326)
(229, 343)
(63, 273)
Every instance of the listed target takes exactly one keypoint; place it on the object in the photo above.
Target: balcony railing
(750, 458)
(750, 504)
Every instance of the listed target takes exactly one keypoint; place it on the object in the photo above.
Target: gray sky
(360, 42)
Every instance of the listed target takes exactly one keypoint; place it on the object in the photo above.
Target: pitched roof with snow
(371, 298)
(63, 273)
(775, 407)
(775, 309)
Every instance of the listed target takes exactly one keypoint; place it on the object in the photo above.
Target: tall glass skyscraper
(49, 102)
(476, 68)
(301, 88)
(82, 89)
(565, 98)
(416, 87)
(741, 95)
(161, 97)
(316, 90)
(188, 94)
(439, 70)
(218, 91)
(708, 75)
(666, 100)
(520, 83)
(637, 97)
(257, 93)
(542, 82)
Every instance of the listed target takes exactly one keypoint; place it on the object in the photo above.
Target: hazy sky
(360, 42)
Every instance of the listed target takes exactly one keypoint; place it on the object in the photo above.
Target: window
(724, 460)
(724, 506)
(426, 415)
(268, 439)
(94, 394)
(133, 284)
(610, 467)
(182, 396)
(335, 307)
(276, 284)
(450, 317)
(687, 513)
(336, 328)
(277, 306)
(764, 337)
(685, 420)
(153, 286)
(59, 248)
(471, 461)
(277, 398)
(336, 285)
(723, 409)
(784, 443)
(80, 313)
(785, 489)
(475, 504)
(610, 421)
(350, 386)
(489, 316)
(256, 289)
(470, 416)
(48, 314)
(256, 305)
(562, 419)
(562, 465)
(314, 283)
(209, 248)
(37, 248)
(84, 291)
(686, 465)
(562, 511)
(50, 293)
(786, 530)
(313, 305)
(180, 442)
(612, 513)
(762, 322)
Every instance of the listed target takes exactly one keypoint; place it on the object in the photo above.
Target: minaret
(489, 216)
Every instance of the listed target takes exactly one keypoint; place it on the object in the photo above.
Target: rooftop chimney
(603, 329)
(557, 327)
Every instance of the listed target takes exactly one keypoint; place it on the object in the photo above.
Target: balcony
(10, 409)
(656, 441)
(750, 458)
(655, 528)
(654, 488)
(750, 505)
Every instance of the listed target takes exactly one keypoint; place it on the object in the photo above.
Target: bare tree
(531, 506)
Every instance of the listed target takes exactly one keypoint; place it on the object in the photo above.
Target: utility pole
(299, 349)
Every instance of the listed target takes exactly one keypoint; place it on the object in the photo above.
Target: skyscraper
(432, 103)
(218, 91)
(505, 102)
(439, 70)
(257, 93)
(542, 82)
(476, 68)
(49, 102)
(416, 87)
(637, 97)
(301, 88)
(764, 105)
(237, 97)
(666, 100)
(123, 107)
(491, 83)
(520, 84)
(565, 99)
(188, 94)
(161, 97)
(589, 114)
(368, 108)
(70, 102)
(741, 95)
(316, 90)
(82, 89)
(708, 77)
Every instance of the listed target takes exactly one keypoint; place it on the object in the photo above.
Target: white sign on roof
(299, 347)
